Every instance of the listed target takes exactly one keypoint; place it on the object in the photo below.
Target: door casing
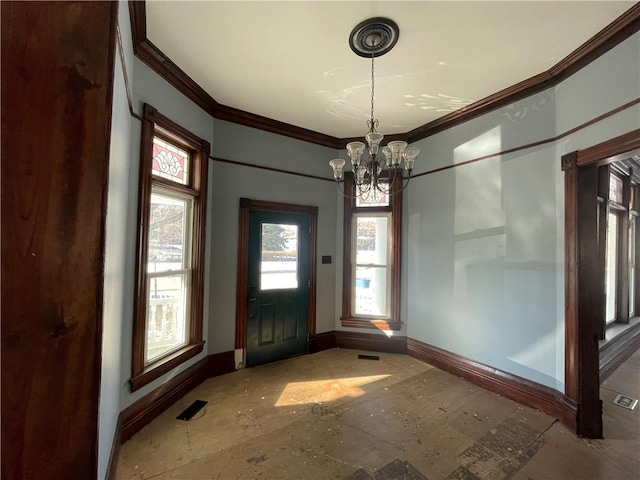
(582, 290)
(246, 207)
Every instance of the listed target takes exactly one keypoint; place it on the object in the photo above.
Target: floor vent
(368, 357)
(625, 402)
(191, 410)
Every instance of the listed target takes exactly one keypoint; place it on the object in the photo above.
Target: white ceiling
(291, 61)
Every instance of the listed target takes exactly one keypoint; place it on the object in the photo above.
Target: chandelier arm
(405, 184)
(390, 190)
(357, 192)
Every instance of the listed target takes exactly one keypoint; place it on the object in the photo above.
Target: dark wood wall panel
(57, 81)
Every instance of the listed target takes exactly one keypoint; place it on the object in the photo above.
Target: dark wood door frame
(582, 292)
(246, 207)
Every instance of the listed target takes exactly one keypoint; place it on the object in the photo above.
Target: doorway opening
(586, 271)
(276, 285)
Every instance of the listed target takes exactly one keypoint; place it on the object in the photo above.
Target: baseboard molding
(141, 413)
(322, 341)
(618, 350)
(115, 450)
(520, 389)
(370, 341)
(527, 392)
(221, 363)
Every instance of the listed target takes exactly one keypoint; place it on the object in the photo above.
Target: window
(371, 265)
(617, 233)
(170, 268)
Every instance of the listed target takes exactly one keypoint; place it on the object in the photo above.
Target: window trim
(348, 319)
(156, 124)
(623, 211)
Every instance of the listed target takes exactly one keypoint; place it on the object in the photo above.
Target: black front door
(278, 286)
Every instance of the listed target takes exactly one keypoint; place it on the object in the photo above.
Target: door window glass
(279, 257)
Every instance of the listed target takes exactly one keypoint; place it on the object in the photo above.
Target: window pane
(371, 291)
(167, 315)
(169, 232)
(279, 255)
(615, 189)
(374, 198)
(611, 266)
(632, 261)
(372, 234)
(170, 162)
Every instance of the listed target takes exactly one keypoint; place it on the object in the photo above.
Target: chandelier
(375, 169)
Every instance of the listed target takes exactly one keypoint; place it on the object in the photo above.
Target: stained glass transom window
(170, 162)
(374, 197)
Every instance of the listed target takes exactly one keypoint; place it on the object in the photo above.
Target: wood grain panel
(589, 421)
(56, 124)
(511, 386)
(571, 271)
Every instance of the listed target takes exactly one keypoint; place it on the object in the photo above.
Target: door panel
(277, 286)
(267, 324)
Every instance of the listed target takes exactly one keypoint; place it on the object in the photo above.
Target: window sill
(374, 324)
(166, 364)
(617, 331)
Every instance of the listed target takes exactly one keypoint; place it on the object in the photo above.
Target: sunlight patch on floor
(319, 391)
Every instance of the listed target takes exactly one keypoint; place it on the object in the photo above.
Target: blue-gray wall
(232, 182)
(118, 283)
(485, 260)
(483, 248)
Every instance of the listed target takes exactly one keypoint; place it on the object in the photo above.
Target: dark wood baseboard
(370, 341)
(221, 363)
(618, 350)
(141, 413)
(520, 389)
(524, 391)
(322, 341)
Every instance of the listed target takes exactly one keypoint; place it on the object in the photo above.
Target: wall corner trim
(522, 390)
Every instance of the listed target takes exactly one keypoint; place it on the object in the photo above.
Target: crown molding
(619, 30)
(616, 32)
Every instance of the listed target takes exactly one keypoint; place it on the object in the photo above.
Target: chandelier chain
(376, 169)
(372, 90)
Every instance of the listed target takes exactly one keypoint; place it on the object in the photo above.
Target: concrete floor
(331, 415)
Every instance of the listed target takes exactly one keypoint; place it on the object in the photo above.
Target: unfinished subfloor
(332, 415)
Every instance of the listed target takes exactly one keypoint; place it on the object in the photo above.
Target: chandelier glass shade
(375, 169)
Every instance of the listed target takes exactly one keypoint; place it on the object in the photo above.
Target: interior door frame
(246, 207)
(582, 302)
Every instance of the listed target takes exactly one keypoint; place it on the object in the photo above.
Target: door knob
(252, 299)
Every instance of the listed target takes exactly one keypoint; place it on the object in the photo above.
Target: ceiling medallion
(374, 37)
(373, 173)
